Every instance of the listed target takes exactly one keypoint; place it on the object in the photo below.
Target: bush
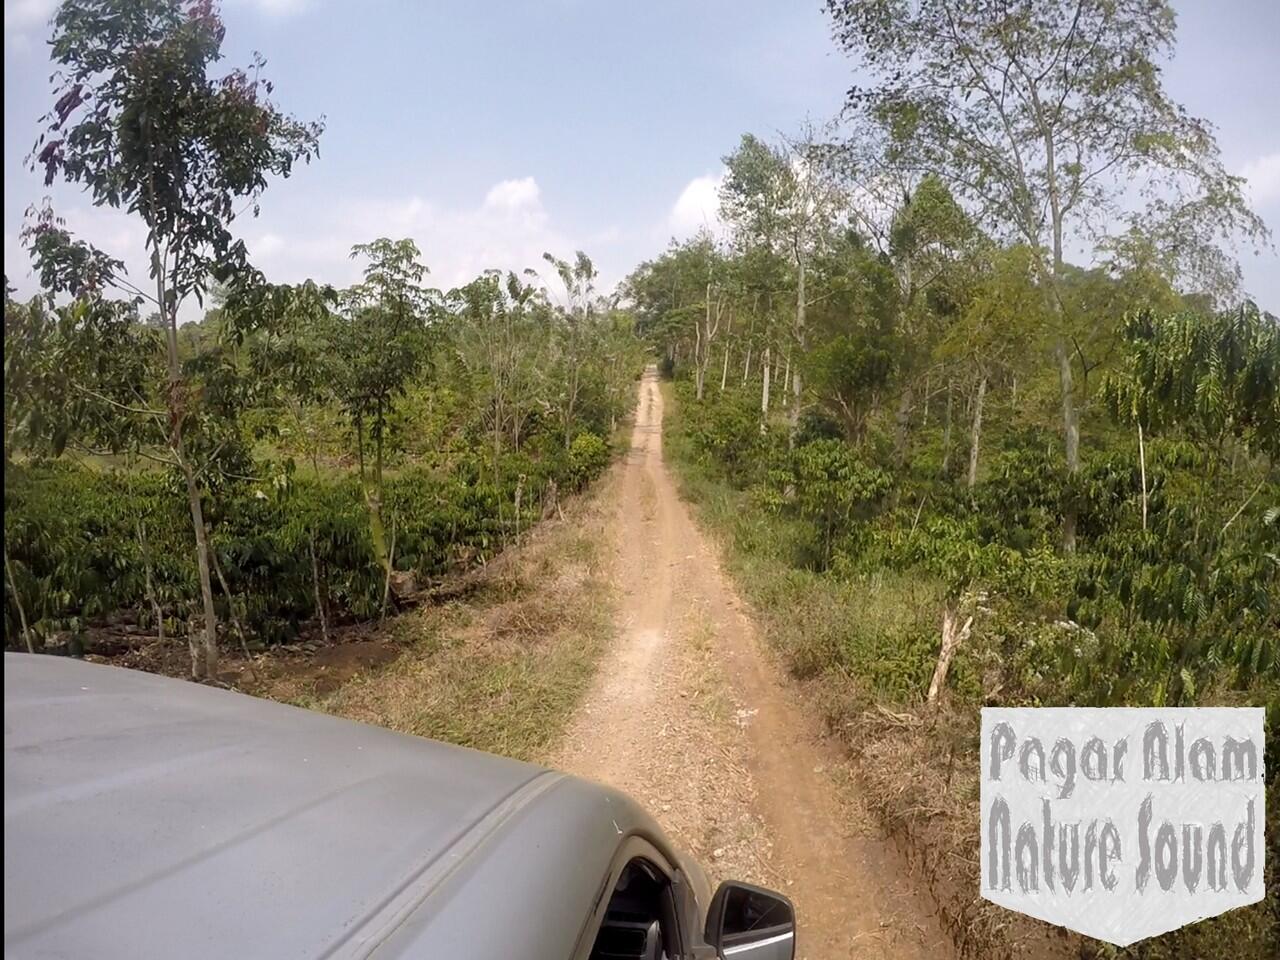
(588, 456)
(724, 429)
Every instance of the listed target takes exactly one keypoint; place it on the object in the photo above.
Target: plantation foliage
(1180, 613)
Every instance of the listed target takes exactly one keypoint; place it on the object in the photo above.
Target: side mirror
(751, 923)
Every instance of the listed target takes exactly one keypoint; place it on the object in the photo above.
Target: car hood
(146, 817)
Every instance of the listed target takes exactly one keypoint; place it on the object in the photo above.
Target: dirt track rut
(690, 716)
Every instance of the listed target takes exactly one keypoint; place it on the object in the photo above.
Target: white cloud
(698, 206)
(276, 8)
(508, 228)
(265, 246)
(1263, 175)
(522, 194)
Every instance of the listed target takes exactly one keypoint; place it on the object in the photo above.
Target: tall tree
(140, 122)
(1041, 113)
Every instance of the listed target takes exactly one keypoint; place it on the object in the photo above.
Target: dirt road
(689, 715)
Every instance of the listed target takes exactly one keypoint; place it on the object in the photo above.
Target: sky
(490, 132)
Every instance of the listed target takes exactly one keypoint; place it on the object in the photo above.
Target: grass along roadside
(501, 670)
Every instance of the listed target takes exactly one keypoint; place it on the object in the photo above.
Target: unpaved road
(689, 716)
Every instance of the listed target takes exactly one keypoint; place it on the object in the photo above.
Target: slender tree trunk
(1142, 467)
(700, 350)
(206, 665)
(764, 392)
(391, 559)
(728, 340)
(786, 373)
(746, 366)
(373, 493)
(17, 602)
(1071, 431)
(946, 432)
(315, 585)
(377, 456)
(519, 494)
(360, 448)
(902, 422)
(231, 609)
(797, 389)
(206, 583)
(497, 446)
(1244, 506)
(975, 435)
(1070, 416)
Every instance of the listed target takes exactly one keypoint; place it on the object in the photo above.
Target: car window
(639, 922)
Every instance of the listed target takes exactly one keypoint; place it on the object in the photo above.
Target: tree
(782, 199)
(929, 243)
(1000, 323)
(377, 343)
(681, 299)
(1040, 114)
(290, 354)
(500, 329)
(578, 318)
(833, 489)
(28, 328)
(140, 123)
(855, 351)
(1216, 377)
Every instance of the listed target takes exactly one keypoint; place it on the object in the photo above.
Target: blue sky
(491, 132)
